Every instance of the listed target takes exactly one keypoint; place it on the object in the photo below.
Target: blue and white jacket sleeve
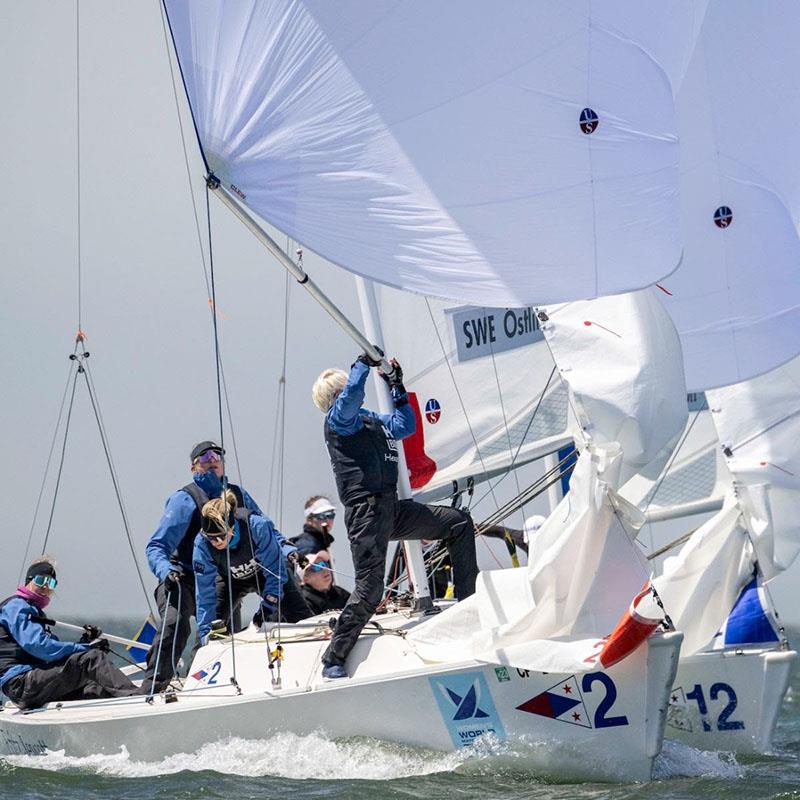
(267, 542)
(402, 423)
(32, 637)
(205, 576)
(171, 529)
(344, 417)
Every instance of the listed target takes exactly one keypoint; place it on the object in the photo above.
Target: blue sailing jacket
(174, 525)
(25, 644)
(259, 553)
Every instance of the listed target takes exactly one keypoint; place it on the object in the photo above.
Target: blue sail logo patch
(467, 707)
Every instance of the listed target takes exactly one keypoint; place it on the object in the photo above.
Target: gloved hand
(395, 380)
(172, 580)
(293, 558)
(99, 644)
(90, 632)
(370, 362)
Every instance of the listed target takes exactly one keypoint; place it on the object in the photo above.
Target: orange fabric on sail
(632, 629)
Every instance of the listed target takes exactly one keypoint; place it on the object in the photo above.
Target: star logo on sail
(433, 411)
(562, 701)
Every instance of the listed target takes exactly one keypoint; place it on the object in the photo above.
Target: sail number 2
(724, 721)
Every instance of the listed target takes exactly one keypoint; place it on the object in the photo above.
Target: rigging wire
(83, 368)
(652, 496)
(78, 154)
(220, 416)
(46, 472)
(61, 462)
(198, 227)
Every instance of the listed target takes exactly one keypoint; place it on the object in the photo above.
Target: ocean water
(314, 766)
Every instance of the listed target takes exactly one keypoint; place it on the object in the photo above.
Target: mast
(413, 549)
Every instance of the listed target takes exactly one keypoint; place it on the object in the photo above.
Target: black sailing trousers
(81, 676)
(178, 606)
(371, 524)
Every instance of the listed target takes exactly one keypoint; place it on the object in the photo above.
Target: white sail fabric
(622, 360)
(736, 297)
(454, 149)
(583, 570)
(699, 585)
(482, 383)
(758, 422)
(694, 480)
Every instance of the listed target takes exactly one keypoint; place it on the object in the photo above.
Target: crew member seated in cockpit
(37, 668)
(244, 549)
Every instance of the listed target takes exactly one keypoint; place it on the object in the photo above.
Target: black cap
(204, 447)
(40, 568)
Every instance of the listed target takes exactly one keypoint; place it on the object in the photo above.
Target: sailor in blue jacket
(364, 455)
(244, 550)
(37, 668)
(169, 554)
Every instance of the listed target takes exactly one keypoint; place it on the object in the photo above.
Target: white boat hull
(612, 731)
(729, 699)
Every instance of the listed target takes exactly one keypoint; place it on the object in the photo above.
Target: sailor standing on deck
(363, 450)
(169, 554)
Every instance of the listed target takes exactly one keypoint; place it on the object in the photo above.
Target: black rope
(61, 461)
(84, 369)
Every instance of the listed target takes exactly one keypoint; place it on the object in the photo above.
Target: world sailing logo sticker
(467, 707)
(433, 411)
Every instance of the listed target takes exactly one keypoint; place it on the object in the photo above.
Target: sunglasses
(209, 457)
(318, 566)
(45, 580)
(325, 515)
(216, 537)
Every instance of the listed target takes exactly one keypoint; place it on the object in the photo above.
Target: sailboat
(331, 123)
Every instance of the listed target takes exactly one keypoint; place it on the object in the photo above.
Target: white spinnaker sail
(493, 156)
(483, 386)
(583, 570)
(735, 298)
(700, 584)
(622, 360)
(758, 422)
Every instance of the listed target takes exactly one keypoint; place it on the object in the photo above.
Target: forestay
(452, 149)
(736, 297)
(758, 422)
(482, 384)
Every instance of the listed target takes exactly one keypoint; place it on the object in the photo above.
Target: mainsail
(483, 385)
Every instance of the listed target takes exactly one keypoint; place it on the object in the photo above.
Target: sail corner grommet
(212, 181)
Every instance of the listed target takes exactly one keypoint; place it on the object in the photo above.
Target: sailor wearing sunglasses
(320, 514)
(318, 587)
(169, 554)
(37, 668)
(242, 548)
